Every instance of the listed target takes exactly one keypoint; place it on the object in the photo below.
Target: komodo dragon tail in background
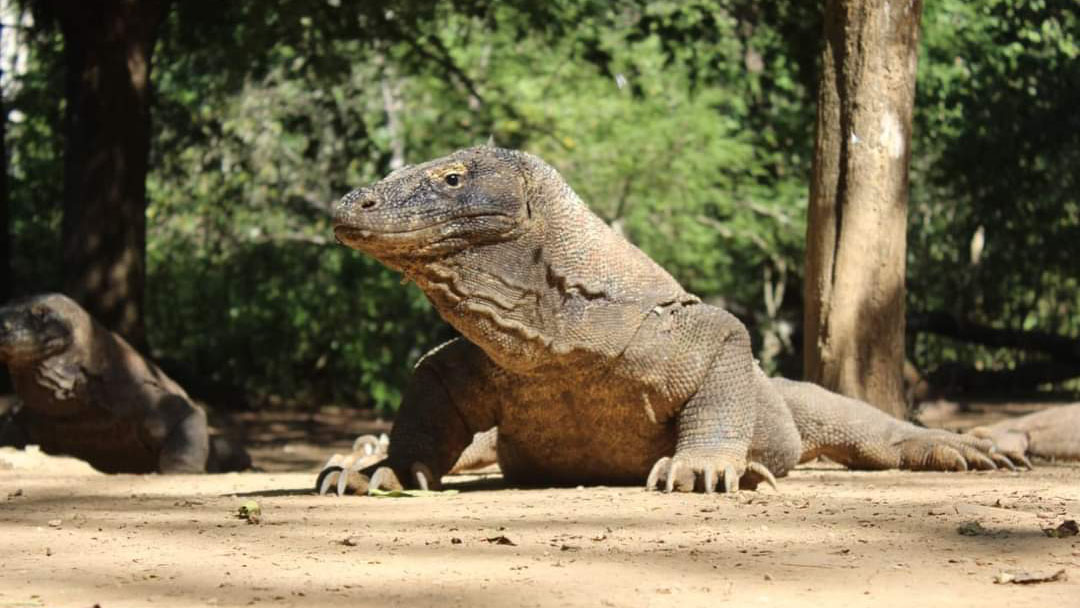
(593, 362)
(1052, 434)
(87, 393)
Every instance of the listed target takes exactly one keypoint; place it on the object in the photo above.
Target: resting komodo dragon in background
(596, 366)
(87, 393)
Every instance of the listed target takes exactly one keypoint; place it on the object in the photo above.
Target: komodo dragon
(596, 366)
(87, 393)
(1052, 434)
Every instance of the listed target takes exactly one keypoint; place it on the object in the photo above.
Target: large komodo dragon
(87, 393)
(596, 366)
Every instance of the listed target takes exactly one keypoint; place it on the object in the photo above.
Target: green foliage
(245, 171)
(995, 214)
(688, 126)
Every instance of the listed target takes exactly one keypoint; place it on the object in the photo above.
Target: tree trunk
(108, 45)
(7, 287)
(857, 224)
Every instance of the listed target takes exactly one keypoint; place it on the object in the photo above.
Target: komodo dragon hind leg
(481, 453)
(859, 436)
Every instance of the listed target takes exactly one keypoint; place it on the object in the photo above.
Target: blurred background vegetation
(688, 126)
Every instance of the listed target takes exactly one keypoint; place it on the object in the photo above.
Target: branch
(1061, 348)
(775, 214)
(314, 202)
(446, 61)
(958, 379)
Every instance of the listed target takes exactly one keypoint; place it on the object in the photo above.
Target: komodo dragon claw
(1023, 459)
(935, 450)
(343, 473)
(384, 478)
(1008, 457)
(371, 445)
(686, 474)
(758, 473)
(329, 474)
(352, 475)
(1002, 461)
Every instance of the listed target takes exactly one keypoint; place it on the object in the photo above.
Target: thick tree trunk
(856, 232)
(108, 45)
(7, 286)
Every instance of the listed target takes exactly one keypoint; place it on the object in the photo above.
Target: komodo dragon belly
(557, 433)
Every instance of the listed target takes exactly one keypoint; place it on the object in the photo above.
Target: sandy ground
(72, 537)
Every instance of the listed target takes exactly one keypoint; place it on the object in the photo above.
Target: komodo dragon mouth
(375, 240)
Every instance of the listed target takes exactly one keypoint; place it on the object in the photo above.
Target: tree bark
(7, 286)
(857, 224)
(108, 47)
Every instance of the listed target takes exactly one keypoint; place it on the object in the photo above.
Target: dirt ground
(72, 537)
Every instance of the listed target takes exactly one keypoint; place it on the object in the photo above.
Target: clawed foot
(1011, 443)
(370, 445)
(706, 473)
(945, 451)
(348, 475)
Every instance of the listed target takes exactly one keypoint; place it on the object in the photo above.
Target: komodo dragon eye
(453, 180)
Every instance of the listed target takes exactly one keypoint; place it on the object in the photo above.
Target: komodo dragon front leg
(715, 427)
(185, 447)
(859, 436)
(169, 420)
(451, 397)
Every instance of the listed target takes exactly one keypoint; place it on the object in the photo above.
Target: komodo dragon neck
(567, 290)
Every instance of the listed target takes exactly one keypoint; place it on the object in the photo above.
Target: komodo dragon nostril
(368, 203)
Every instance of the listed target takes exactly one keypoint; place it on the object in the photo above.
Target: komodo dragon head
(34, 328)
(509, 255)
(468, 199)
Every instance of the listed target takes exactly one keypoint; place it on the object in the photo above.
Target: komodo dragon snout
(436, 208)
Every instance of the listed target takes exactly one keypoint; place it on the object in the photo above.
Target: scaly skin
(87, 393)
(1052, 434)
(596, 366)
